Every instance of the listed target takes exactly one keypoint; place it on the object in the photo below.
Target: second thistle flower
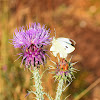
(32, 41)
(64, 70)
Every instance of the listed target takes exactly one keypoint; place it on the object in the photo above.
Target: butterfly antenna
(55, 32)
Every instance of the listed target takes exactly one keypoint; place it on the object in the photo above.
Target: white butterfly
(63, 46)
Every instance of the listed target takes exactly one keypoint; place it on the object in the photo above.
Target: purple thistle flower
(32, 41)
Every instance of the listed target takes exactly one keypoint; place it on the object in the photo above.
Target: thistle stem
(59, 89)
(39, 93)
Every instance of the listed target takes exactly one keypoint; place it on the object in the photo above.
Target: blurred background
(75, 19)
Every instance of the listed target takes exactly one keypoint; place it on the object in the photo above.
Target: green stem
(39, 93)
(59, 90)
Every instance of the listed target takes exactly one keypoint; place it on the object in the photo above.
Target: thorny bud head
(64, 70)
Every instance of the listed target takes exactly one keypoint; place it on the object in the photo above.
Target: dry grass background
(76, 19)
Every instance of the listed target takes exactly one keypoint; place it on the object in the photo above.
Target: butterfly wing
(62, 46)
(68, 44)
(56, 48)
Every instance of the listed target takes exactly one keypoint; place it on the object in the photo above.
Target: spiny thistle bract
(64, 70)
(32, 41)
